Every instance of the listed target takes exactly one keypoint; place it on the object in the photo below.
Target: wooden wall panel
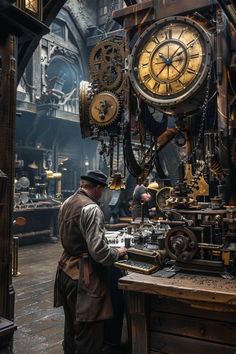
(198, 328)
(161, 304)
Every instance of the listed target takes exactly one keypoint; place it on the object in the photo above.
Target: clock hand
(188, 46)
(172, 56)
(167, 60)
(161, 70)
(162, 56)
(159, 62)
(178, 54)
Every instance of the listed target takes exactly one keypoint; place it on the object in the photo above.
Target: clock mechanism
(162, 195)
(106, 64)
(170, 63)
(104, 108)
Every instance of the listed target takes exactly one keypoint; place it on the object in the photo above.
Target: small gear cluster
(106, 63)
(99, 105)
(104, 108)
(100, 109)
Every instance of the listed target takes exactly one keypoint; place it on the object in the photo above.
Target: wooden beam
(152, 10)
(20, 23)
(7, 163)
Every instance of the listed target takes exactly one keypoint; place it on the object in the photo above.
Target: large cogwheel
(107, 63)
(104, 108)
(85, 97)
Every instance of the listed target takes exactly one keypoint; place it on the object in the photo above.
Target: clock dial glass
(170, 58)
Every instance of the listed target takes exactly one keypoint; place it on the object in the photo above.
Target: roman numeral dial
(169, 59)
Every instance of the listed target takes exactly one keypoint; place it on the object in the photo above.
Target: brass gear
(110, 77)
(85, 97)
(104, 108)
(161, 197)
(106, 63)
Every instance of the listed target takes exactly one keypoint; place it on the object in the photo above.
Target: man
(153, 188)
(140, 201)
(81, 285)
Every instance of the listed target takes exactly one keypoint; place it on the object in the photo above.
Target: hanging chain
(103, 152)
(203, 109)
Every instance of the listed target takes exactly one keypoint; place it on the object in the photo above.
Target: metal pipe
(33, 233)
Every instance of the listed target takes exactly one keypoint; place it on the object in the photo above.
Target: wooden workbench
(188, 313)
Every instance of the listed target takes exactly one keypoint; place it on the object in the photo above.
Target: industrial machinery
(203, 239)
(162, 100)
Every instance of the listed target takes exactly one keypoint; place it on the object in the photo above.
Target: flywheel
(181, 244)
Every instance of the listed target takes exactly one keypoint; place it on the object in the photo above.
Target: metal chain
(203, 109)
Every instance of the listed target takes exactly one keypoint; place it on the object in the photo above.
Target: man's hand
(122, 251)
(152, 209)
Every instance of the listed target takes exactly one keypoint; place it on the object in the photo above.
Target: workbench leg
(137, 313)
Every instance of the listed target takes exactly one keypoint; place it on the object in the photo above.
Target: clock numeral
(191, 71)
(144, 65)
(156, 40)
(181, 83)
(147, 51)
(168, 33)
(156, 86)
(147, 77)
(194, 56)
(168, 88)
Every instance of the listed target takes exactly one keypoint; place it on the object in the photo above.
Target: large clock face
(170, 61)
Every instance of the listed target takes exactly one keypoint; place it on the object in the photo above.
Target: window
(58, 28)
(103, 7)
(71, 38)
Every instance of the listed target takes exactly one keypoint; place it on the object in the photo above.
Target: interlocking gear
(107, 62)
(162, 196)
(104, 108)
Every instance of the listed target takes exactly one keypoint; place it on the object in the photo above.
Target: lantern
(32, 7)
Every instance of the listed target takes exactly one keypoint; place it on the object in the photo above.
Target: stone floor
(39, 325)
